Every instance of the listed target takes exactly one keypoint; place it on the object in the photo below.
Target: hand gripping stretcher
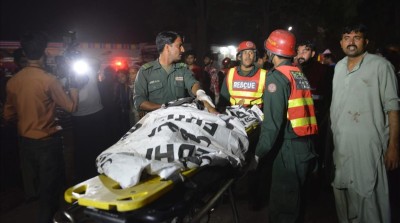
(183, 196)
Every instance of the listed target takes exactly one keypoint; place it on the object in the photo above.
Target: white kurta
(360, 102)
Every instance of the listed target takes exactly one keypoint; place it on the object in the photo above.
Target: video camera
(72, 65)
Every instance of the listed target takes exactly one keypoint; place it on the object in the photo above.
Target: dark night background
(203, 22)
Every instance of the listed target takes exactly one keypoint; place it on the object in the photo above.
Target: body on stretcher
(153, 199)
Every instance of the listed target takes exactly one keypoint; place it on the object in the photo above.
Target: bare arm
(149, 106)
(68, 102)
(392, 155)
(195, 87)
(74, 94)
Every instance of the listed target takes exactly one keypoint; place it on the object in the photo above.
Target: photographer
(88, 120)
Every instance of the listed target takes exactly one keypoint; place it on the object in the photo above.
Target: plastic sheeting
(170, 140)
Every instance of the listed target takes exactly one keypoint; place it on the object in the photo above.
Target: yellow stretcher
(104, 193)
(153, 199)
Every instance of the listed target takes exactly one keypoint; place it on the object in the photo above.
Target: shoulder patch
(147, 65)
(271, 87)
(181, 65)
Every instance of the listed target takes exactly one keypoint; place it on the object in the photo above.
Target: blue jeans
(43, 173)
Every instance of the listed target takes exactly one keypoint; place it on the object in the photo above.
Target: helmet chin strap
(270, 56)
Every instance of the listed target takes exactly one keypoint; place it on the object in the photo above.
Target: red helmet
(281, 43)
(246, 45)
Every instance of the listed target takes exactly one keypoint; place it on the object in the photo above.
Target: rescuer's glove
(202, 96)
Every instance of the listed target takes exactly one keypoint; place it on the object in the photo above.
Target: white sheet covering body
(163, 138)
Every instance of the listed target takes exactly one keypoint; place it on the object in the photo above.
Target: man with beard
(317, 76)
(164, 80)
(365, 126)
(320, 78)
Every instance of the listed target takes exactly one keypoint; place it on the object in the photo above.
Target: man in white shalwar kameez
(365, 125)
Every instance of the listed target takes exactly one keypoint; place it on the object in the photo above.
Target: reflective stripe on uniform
(303, 121)
(300, 102)
(246, 101)
(248, 97)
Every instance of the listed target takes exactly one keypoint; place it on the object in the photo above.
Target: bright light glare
(290, 28)
(232, 51)
(80, 67)
(224, 50)
(118, 63)
(228, 51)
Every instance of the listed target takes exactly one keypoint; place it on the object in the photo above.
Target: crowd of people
(325, 123)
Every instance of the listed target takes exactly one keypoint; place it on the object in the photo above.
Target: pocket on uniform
(306, 160)
(155, 90)
(180, 89)
(155, 86)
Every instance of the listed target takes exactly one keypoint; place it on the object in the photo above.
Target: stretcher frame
(81, 208)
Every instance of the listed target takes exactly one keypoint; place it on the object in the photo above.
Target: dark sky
(93, 20)
(135, 21)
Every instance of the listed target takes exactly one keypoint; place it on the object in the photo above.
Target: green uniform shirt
(154, 84)
(275, 125)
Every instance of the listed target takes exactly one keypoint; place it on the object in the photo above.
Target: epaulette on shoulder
(181, 65)
(147, 65)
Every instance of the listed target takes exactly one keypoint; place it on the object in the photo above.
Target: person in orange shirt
(32, 97)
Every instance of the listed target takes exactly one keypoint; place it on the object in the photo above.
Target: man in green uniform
(164, 80)
(284, 132)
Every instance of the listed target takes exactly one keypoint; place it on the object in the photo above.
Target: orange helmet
(281, 42)
(246, 45)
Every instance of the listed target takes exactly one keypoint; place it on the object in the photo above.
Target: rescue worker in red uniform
(244, 84)
(289, 122)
